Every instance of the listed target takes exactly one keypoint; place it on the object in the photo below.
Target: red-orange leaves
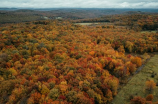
(150, 97)
(92, 53)
(138, 100)
(35, 98)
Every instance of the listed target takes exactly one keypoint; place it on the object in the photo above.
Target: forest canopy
(56, 61)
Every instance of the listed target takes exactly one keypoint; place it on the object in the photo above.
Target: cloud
(80, 3)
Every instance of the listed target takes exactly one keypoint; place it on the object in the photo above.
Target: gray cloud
(80, 3)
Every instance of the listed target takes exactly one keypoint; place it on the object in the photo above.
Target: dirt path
(136, 86)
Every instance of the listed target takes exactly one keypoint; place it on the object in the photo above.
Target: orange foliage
(137, 61)
(59, 62)
(92, 53)
(150, 85)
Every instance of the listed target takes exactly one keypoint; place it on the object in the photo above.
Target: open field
(94, 23)
(136, 86)
(85, 24)
(149, 31)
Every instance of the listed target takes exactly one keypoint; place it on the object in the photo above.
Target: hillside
(17, 15)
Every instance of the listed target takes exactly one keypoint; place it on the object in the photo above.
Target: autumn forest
(58, 61)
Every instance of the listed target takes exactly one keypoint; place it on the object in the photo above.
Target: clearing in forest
(136, 86)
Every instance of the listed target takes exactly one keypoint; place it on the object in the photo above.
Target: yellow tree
(129, 46)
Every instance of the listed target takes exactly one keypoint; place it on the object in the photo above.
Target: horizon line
(69, 8)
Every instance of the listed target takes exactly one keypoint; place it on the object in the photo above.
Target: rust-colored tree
(138, 100)
(150, 85)
(150, 97)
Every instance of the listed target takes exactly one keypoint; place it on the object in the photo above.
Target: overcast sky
(80, 3)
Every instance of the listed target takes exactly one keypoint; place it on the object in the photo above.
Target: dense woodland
(52, 62)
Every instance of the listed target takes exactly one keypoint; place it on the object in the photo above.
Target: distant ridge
(153, 10)
(9, 9)
(16, 15)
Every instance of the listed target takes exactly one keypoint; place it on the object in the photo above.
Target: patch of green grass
(153, 31)
(94, 23)
(136, 86)
(85, 24)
